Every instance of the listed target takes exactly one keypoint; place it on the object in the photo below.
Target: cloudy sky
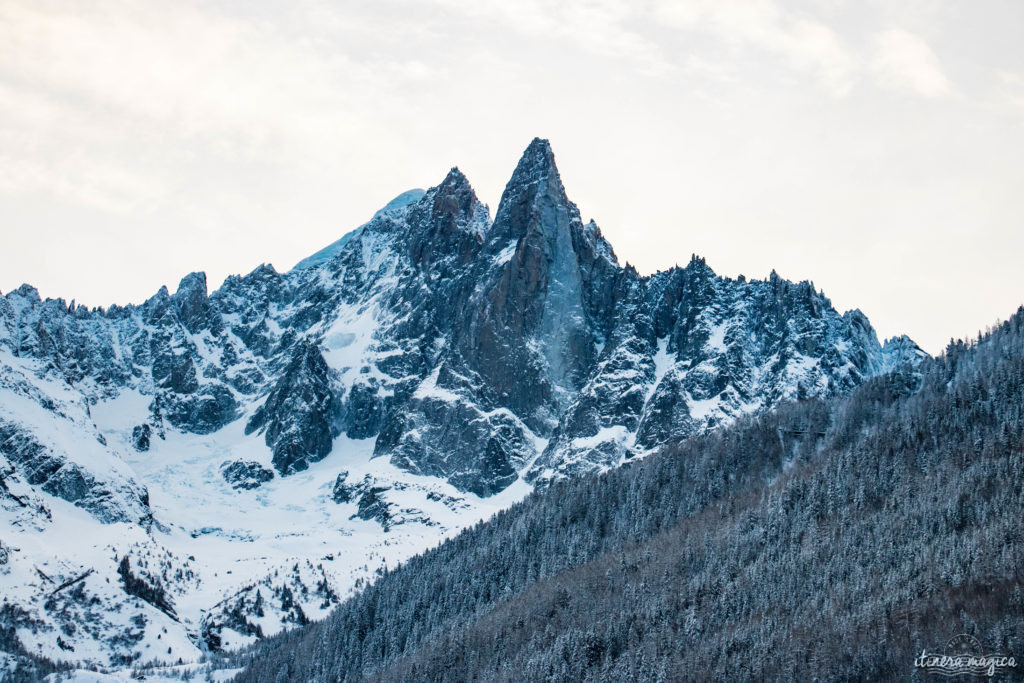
(874, 147)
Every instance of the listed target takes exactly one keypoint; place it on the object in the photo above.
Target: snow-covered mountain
(205, 468)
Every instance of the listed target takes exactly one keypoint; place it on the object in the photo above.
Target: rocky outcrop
(245, 474)
(342, 491)
(442, 434)
(300, 416)
(141, 435)
(110, 498)
(201, 412)
(373, 506)
(192, 305)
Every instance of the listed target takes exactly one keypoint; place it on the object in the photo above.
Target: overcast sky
(875, 148)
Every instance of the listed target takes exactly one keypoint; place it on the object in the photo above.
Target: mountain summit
(429, 367)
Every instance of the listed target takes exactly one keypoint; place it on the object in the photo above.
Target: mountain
(833, 539)
(259, 452)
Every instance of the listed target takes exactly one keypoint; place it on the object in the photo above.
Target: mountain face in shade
(432, 365)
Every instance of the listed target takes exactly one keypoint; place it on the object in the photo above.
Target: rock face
(245, 474)
(438, 355)
(342, 491)
(140, 437)
(109, 499)
(474, 350)
(301, 413)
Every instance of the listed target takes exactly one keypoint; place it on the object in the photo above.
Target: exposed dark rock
(56, 474)
(343, 492)
(448, 236)
(527, 334)
(203, 412)
(140, 437)
(300, 416)
(245, 474)
(191, 302)
(174, 371)
(373, 507)
(364, 410)
(480, 453)
(368, 494)
(247, 380)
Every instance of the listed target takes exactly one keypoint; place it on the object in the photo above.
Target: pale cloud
(803, 43)
(904, 61)
(894, 58)
(186, 66)
(96, 76)
(41, 151)
(600, 27)
(1010, 94)
(108, 187)
(101, 102)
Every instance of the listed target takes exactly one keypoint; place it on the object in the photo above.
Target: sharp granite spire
(534, 197)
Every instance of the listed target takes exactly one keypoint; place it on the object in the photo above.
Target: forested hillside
(825, 539)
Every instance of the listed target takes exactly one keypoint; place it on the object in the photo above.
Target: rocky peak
(529, 333)
(534, 202)
(455, 184)
(192, 286)
(537, 164)
(28, 292)
(156, 306)
(448, 223)
(858, 323)
(191, 301)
